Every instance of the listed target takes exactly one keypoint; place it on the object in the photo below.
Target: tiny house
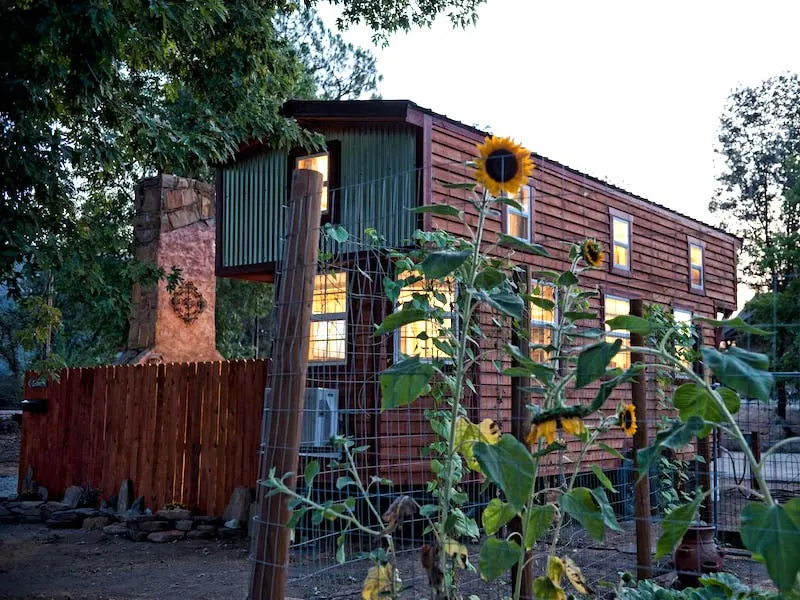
(382, 158)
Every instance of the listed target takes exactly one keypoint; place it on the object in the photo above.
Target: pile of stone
(122, 515)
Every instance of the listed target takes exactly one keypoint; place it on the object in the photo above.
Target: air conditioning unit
(320, 417)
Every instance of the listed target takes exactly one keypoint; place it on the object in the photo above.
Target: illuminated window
(329, 319)
(696, 275)
(518, 222)
(614, 307)
(415, 339)
(543, 321)
(319, 163)
(621, 231)
(683, 318)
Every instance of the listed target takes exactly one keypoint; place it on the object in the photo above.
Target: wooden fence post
(290, 352)
(519, 419)
(641, 490)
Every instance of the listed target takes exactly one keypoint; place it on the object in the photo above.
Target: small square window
(319, 163)
(328, 340)
(614, 307)
(518, 221)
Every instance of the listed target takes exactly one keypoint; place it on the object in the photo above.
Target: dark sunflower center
(627, 420)
(502, 165)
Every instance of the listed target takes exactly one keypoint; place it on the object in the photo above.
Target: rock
(115, 529)
(31, 509)
(6, 516)
(65, 519)
(239, 505)
(160, 537)
(87, 512)
(43, 493)
(72, 496)
(206, 528)
(108, 512)
(137, 508)
(110, 504)
(199, 535)
(184, 525)
(48, 508)
(125, 497)
(175, 514)
(139, 536)
(95, 523)
(153, 526)
(232, 524)
(206, 520)
(133, 519)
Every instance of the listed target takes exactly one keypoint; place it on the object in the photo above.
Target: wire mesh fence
(390, 456)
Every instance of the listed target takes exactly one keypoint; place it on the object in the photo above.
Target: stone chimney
(174, 227)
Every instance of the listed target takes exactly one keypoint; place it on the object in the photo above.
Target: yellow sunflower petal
(573, 425)
(592, 253)
(627, 420)
(503, 166)
(467, 434)
(490, 431)
(456, 551)
(576, 577)
(379, 581)
(555, 570)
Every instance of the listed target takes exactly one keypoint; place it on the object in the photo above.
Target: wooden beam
(641, 490)
(519, 429)
(283, 421)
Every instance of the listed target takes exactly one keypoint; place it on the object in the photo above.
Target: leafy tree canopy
(759, 143)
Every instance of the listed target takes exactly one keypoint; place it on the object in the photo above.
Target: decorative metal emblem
(187, 301)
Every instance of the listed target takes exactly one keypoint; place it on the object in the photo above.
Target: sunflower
(503, 166)
(573, 425)
(545, 429)
(627, 419)
(592, 253)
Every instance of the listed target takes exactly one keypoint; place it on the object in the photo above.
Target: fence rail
(186, 432)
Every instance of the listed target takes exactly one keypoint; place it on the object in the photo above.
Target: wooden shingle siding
(568, 207)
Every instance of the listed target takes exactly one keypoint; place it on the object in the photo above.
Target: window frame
(539, 324)
(398, 337)
(529, 216)
(690, 322)
(623, 335)
(328, 317)
(615, 214)
(699, 244)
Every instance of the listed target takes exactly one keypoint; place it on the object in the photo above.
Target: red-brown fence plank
(186, 432)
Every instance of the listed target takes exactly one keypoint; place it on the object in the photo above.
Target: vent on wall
(320, 420)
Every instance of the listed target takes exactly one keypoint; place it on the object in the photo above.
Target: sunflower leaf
(630, 323)
(735, 323)
(567, 278)
(466, 185)
(675, 438)
(443, 262)
(592, 362)
(522, 244)
(446, 210)
(400, 318)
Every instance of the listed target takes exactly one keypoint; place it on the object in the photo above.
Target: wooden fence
(185, 432)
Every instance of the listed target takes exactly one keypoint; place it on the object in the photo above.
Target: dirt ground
(38, 563)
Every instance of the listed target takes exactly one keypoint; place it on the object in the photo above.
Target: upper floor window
(620, 240)
(321, 164)
(518, 220)
(328, 341)
(696, 266)
(543, 321)
(614, 307)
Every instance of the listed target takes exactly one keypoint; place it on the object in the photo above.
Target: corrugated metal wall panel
(253, 219)
(378, 183)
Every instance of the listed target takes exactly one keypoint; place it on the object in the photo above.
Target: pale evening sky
(629, 91)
